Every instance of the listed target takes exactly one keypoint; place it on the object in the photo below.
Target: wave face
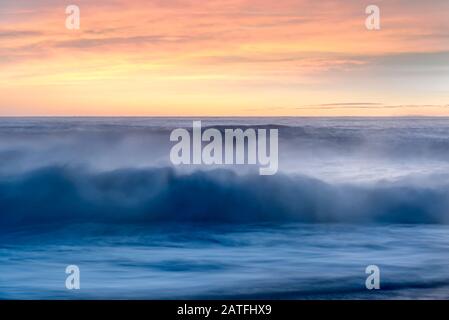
(58, 195)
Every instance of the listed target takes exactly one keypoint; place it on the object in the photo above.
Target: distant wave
(326, 148)
(62, 195)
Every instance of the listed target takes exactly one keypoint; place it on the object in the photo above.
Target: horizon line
(221, 116)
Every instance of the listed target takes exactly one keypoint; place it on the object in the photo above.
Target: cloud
(112, 41)
(8, 34)
(348, 104)
(236, 52)
(366, 105)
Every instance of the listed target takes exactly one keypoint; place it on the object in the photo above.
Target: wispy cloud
(224, 56)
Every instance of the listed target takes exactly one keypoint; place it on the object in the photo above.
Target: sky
(224, 58)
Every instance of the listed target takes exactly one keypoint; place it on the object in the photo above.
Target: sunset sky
(224, 57)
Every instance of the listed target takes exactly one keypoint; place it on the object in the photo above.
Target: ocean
(102, 194)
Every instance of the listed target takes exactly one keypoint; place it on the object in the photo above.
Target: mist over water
(343, 149)
(101, 193)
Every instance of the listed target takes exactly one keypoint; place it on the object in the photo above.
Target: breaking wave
(61, 195)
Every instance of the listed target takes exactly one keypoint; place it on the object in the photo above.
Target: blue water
(284, 262)
(100, 193)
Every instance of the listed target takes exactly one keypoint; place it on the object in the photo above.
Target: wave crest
(58, 195)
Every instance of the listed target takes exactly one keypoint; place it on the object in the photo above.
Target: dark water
(285, 262)
(100, 193)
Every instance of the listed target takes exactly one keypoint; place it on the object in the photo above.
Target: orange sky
(227, 57)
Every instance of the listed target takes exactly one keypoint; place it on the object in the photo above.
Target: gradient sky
(227, 57)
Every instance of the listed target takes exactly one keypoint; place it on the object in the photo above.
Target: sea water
(101, 193)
